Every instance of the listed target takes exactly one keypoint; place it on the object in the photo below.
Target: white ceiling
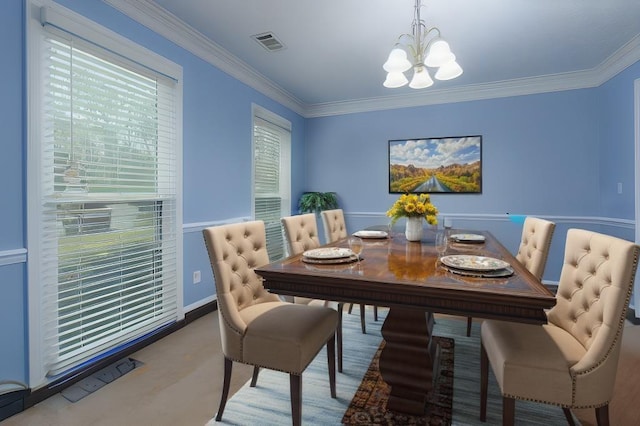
(335, 48)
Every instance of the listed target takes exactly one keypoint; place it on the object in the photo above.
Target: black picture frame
(442, 165)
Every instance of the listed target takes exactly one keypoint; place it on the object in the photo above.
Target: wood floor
(180, 383)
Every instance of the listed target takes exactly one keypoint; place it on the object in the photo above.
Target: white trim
(475, 92)
(594, 220)
(11, 257)
(271, 117)
(167, 25)
(61, 17)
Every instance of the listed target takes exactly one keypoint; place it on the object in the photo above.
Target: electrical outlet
(619, 187)
(196, 277)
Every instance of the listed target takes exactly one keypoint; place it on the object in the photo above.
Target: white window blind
(108, 242)
(271, 186)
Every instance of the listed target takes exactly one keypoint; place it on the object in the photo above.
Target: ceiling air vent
(268, 41)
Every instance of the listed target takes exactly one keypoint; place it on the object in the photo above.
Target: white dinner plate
(467, 238)
(474, 263)
(328, 253)
(371, 234)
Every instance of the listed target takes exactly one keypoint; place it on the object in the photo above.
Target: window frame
(284, 125)
(37, 12)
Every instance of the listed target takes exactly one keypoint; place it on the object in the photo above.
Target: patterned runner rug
(368, 406)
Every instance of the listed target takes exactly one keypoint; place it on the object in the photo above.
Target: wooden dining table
(408, 278)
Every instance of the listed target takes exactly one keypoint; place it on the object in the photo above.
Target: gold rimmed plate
(473, 263)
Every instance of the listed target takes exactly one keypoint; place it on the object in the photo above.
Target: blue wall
(616, 140)
(557, 155)
(13, 305)
(217, 161)
(539, 153)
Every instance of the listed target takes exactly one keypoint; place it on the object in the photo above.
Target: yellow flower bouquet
(414, 205)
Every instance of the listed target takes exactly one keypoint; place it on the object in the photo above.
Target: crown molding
(624, 57)
(476, 92)
(149, 14)
(157, 19)
(620, 60)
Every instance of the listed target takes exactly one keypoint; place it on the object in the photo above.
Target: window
(271, 176)
(105, 246)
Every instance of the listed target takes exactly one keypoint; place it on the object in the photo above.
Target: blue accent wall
(557, 155)
(539, 153)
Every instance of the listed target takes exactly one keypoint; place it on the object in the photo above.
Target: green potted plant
(315, 202)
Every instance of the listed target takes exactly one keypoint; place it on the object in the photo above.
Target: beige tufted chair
(572, 360)
(301, 234)
(256, 327)
(335, 229)
(534, 248)
(535, 244)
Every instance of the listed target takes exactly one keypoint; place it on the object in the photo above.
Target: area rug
(368, 406)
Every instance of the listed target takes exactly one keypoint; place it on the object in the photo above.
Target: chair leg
(602, 415)
(469, 323)
(350, 308)
(339, 336)
(375, 313)
(484, 382)
(254, 378)
(295, 384)
(331, 359)
(508, 411)
(568, 416)
(228, 365)
(363, 320)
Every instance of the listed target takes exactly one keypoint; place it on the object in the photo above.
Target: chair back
(535, 244)
(300, 233)
(335, 227)
(593, 294)
(234, 251)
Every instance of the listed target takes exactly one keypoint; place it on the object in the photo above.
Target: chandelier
(422, 40)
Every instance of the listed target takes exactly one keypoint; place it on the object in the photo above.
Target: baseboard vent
(97, 380)
(12, 402)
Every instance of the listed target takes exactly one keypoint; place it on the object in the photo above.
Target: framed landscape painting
(436, 165)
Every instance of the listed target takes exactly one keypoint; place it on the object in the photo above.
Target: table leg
(409, 361)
